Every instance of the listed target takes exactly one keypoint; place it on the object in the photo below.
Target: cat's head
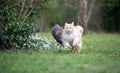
(69, 27)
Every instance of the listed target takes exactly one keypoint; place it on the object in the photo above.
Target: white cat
(72, 36)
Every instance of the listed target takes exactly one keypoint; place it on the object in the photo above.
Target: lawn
(100, 54)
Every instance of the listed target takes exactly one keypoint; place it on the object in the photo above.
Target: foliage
(54, 12)
(46, 13)
(112, 16)
(13, 33)
(98, 56)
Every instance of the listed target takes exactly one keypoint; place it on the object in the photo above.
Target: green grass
(100, 54)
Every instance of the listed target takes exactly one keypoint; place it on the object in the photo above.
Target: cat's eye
(66, 28)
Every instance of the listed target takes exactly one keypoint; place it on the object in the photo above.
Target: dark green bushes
(13, 33)
(112, 16)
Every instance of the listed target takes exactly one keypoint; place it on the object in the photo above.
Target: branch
(27, 10)
(21, 11)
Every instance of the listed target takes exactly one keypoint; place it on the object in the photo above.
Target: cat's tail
(80, 28)
(56, 32)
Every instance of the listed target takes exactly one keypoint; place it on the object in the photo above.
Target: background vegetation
(112, 16)
(21, 19)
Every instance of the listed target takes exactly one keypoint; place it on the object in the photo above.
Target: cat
(72, 36)
(57, 32)
(69, 37)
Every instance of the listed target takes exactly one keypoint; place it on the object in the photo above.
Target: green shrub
(15, 34)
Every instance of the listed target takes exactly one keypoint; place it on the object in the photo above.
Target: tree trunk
(82, 14)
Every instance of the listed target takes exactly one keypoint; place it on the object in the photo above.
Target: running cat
(72, 36)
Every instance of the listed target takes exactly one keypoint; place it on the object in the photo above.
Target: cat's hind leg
(78, 47)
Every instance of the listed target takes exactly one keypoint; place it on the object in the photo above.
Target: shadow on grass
(63, 51)
(57, 52)
(43, 51)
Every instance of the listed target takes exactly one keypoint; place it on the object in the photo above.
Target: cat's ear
(65, 23)
(73, 23)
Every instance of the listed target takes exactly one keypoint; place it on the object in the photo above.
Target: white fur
(75, 37)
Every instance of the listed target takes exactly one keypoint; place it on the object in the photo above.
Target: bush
(15, 34)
